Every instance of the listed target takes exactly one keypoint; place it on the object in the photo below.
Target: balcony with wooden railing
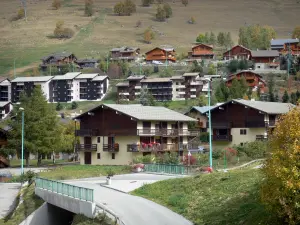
(167, 132)
(87, 132)
(224, 125)
(155, 147)
(222, 137)
(86, 147)
(111, 147)
(255, 124)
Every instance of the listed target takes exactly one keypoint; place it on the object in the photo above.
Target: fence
(164, 168)
(81, 193)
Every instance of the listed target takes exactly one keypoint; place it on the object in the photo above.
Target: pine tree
(59, 106)
(271, 89)
(160, 14)
(293, 98)
(42, 134)
(228, 43)
(74, 105)
(222, 93)
(212, 39)
(206, 38)
(221, 39)
(285, 97)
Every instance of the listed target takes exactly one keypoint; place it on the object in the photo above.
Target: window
(98, 139)
(113, 156)
(176, 83)
(177, 89)
(98, 156)
(242, 144)
(243, 131)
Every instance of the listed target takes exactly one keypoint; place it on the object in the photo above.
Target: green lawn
(30, 203)
(33, 162)
(83, 171)
(217, 198)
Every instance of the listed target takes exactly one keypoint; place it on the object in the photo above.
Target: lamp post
(209, 122)
(22, 149)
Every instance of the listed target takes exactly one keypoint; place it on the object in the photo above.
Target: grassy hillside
(28, 41)
(218, 198)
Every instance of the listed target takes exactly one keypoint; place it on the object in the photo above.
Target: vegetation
(74, 105)
(167, 8)
(235, 65)
(88, 9)
(218, 198)
(256, 36)
(82, 171)
(61, 32)
(280, 190)
(30, 203)
(285, 97)
(160, 14)
(147, 3)
(296, 32)
(125, 8)
(102, 219)
(196, 67)
(222, 39)
(59, 106)
(56, 4)
(146, 98)
(192, 20)
(20, 15)
(148, 35)
(253, 150)
(185, 2)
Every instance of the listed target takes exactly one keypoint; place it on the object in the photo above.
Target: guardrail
(73, 191)
(111, 213)
(164, 168)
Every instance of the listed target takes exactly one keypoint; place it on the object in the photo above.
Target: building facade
(112, 134)
(5, 109)
(160, 88)
(237, 52)
(162, 54)
(130, 90)
(282, 45)
(201, 51)
(5, 90)
(125, 53)
(265, 59)
(58, 59)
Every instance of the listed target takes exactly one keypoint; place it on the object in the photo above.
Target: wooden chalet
(125, 53)
(58, 59)
(293, 48)
(265, 59)
(238, 52)
(253, 79)
(201, 51)
(87, 63)
(283, 45)
(161, 54)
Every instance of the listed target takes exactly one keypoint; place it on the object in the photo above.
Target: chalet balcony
(193, 89)
(255, 124)
(85, 147)
(222, 137)
(195, 83)
(181, 86)
(124, 93)
(138, 87)
(193, 96)
(111, 148)
(167, 132)
(87, 132)
(154, 147)
(220, 125)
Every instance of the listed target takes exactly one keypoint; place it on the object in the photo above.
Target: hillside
(28, 41)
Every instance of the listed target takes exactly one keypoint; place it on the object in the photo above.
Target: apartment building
(113, 134)
(239, 121)
(160, 88)
(130, 90)
(90, 87)
(5, 90)
(5, 109)
(27, 85)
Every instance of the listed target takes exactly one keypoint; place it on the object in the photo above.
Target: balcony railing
(251, 124)
(87, 132)
(222, 137)
(154, 147)
(111, 147)
(225, 125)
(167, 132)
(85, 147)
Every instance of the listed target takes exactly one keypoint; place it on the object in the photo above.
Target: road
(17, 171)
(8, 194)
(131, 209)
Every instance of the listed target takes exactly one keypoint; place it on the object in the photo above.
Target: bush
(167, 8)
(20, 15)
(160, 14)
(74, 105)
(148, 159)
(202, 159)
(125, 8)
(61, 32)
(28, 176)
(254, 150)
(148, 35)
(88, 10)
(217, 153)
(189, 160)
(172, 158)
(147, 3)
(204, 137)
(185, 2)
(137, 159)
(56, 4)
(59, 106)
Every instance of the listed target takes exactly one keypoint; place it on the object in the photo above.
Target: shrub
(148, 159)
(204, 137)
(189, 160)
(167, 8)
(137, 159)
(61, 32)
(147, 2)
(56, 4)
(280, 188)
(172, 158)
(20, 15)
(148, 35)
(59, 106)
(160, 14)
(217, 153)
(254, 150)
(185, 2)
(125, 8)
(88, 10)
(74, 105)
(202, 159)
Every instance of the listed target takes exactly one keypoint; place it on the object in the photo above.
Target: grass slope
(101, 219)
(218, 198)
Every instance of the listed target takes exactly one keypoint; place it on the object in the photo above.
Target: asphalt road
(8, 194)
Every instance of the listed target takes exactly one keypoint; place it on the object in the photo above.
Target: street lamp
(22, 149)
(209, 121)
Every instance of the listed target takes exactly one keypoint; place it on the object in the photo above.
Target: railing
(111, 148)
(164, 168)
(222, 137)
(83, 147)
(220, 124)
(87, 132)
(167, 132)
(73, 191)
(154, 147)
(255, 124)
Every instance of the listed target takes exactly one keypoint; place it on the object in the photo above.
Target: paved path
(17, 171)
(8, 194)
(133, 210)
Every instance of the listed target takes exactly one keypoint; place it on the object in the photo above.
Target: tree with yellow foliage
(281, 186)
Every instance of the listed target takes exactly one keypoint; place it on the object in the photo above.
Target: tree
(211, 69)
(196, 67)
(271, 89)
(160, 14)
(192, 20)
(280, 187)
(74, 105)
(41, 129)
(285, 97)
(61, 32)
(293, 98)
(206, 38)
(221, 39)
(146, 98)
(228, 43)
(89, 5)
(201, 38)
(148, 35)
(146, 2)
(168, 10)
(119, 8)
(68, 138)
(56, 4)
(297, 95)
(59, 106)
(124, 66)
(129, 7)
(296, 32)
(238, 88)
(185, 2)
(233, 66)
(212, 39)
(222, 93)
(243, 65)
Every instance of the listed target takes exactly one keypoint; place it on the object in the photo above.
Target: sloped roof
(125, 49)
(190, 74)
(87, 76)
(202, 109)
(3, 79)
(86, 61)
(4, 103)
(100, 78)
(32, 79)
(123, 84)
(136, 77)
(58, 55)
(149, 113)
(156, 80)
(178, 77)
(265, 53)
(235, 47)
(283, 41)
(245, 71)
(164, 48)
(198, 44)
(67, 76)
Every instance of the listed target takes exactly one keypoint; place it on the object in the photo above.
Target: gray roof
(167, 48)
(150, 113)
(58, 55)
(202, 109)
(283, 41)
(267, 107)
(265, 53)
(123, 84)
(156, 80)
(100, 78)
(124, 49)
(190, 74)
(178, 77)
(32, 79)
(3, 79)
(67, 76)
(86, 61)
(87, 76)
(4, 103)
(136, 77)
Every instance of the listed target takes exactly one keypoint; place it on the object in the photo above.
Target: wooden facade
(125, 53)
(252, 79)
(237, 52)
(201, 51)
(293, 48)
(161, 54)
